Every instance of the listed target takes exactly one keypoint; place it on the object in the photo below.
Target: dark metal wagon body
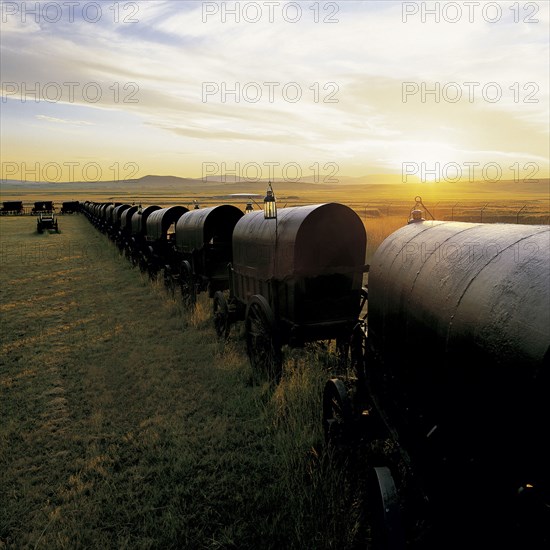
(95, 213)
(293, 279)
(12, 207)
(138, 228)
(109, 216)
(42, 207)
(456, 374)
(126, 219)
(160, 236)
(117, 215)
(103, 213)
(47, 221)
(70, 207)
(124, 235)
(139, 220)
(204, 242)
(161, 224)
(308, 266)
(115, 221)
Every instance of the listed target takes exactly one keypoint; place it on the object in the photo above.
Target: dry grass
(126, 424)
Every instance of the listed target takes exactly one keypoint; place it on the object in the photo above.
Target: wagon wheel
(337, 412)
(384, 511)
(127, 252)
(134, 255)
(263, 344)
(168, 279)
(142, 261)
(152, 269)
(187, 285)
(221, 316)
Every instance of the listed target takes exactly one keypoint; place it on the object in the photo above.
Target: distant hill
(349, 189)
(383, 179)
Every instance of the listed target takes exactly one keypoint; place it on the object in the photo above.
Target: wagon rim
(221, 316)
(187, 286)
(263, 344)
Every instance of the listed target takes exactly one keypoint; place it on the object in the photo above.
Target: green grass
(125, 424)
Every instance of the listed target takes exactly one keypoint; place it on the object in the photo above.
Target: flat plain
(126, 424)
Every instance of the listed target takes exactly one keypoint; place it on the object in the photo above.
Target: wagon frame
(46, 221)
(203, 244)
(158, 253)
(434, 436)
(14, 208)
(42, 207)
(136, 240)
(281, 292)
(70, 207)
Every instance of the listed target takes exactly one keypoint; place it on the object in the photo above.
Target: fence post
(519, 212)
(453, 212)
(481, 217)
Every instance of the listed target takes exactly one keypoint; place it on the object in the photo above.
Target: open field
(506, 201)
(383, 208)
(125, 424)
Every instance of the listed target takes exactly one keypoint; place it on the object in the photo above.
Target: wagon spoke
(187, 286)
(221, 315)
(262, 342)
(337, 412)
(384, 510)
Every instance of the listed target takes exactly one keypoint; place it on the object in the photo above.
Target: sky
(112, 90)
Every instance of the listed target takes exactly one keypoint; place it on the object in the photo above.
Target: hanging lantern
(270, 205)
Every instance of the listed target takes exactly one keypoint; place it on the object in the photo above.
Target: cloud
(165, 57)
(64, 121)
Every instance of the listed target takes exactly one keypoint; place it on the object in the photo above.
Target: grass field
(125, 424)
(504, 201)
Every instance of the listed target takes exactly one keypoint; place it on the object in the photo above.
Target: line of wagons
(279, 283)
(16, 208)
(447, 387)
